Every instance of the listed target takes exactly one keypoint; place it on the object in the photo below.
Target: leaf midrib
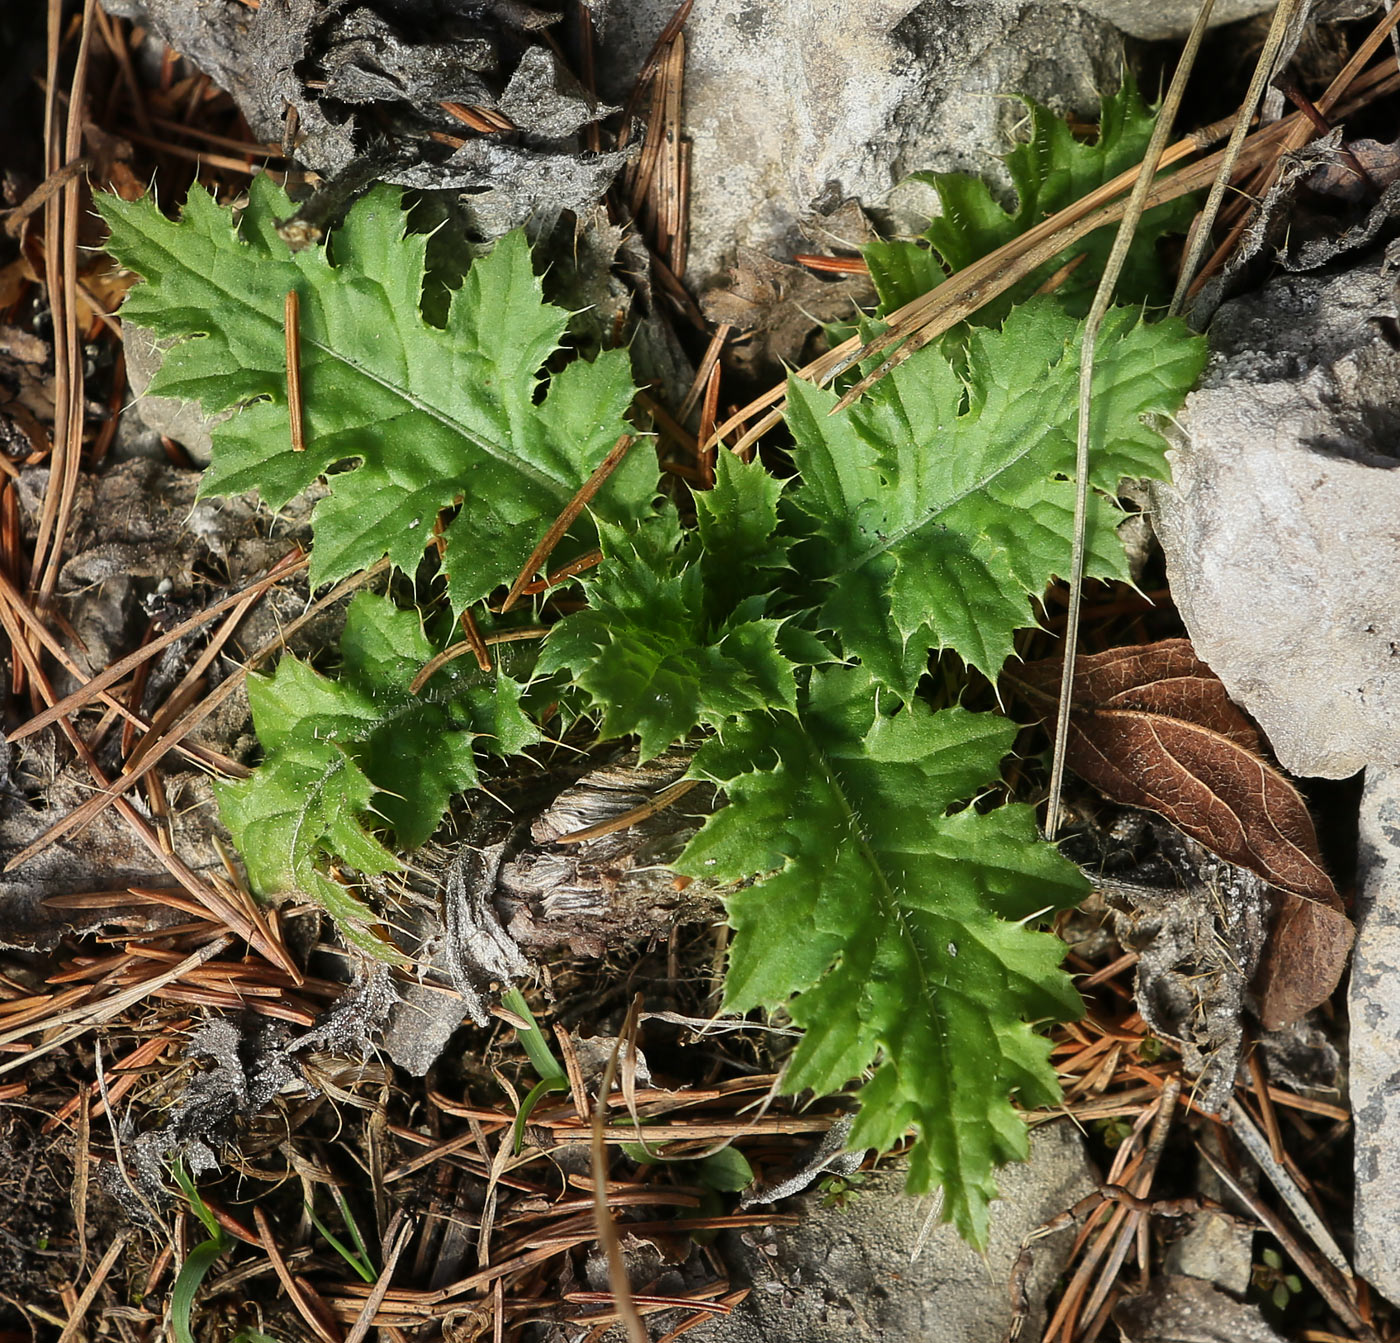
(902, 533)
(885, 891)
(497, 452)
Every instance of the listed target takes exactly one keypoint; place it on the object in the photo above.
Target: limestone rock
(847, 1274)
(1279, 525)
(793, 108)
(1374, 1009)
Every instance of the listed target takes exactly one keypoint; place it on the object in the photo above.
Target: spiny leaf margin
(404, 418)
(942, 502)
(675, 635)
(1049, 170)
(344, 755)
(904, 943)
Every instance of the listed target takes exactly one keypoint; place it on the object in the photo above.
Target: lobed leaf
(675, 634)
(403, 418)
(342, 754)
(1049, 171)
(893, 927)
(942, 505)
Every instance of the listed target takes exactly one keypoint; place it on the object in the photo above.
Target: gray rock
(1214, 1249)
(183, 421)
(1177, 1309)
(1280, 527)
(845, 1273)
(1162, 20)
(793, 108)
(1374, 1008)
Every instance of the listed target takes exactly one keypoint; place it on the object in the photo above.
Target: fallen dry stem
(1098, 309)
(397, 1235)
(1256, 1145)
(605, 1227)
(84, 1302)
(53, 183)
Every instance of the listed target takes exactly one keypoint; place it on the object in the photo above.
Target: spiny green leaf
(942, 506)
(742, 551)
(899, 925)
(342, 754)
(405, 418)
(659, 651)
(1049, 171)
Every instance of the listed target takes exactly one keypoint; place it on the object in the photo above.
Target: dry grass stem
(1263, 72)
(1103, 296)
(965, 292)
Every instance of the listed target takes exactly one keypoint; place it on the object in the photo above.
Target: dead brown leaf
(1303, 960)
(1153, 727)
(781, 304)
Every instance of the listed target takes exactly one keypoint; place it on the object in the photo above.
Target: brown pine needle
(565, 520)
(76, 1021)
(252, 929)
(10, 596)
(160, 747)
(562, 574)
(295, 1288)
(94, 688)
(291, 324)
(702, 374)
(474, 640)
(831, 265)
(436, 664)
